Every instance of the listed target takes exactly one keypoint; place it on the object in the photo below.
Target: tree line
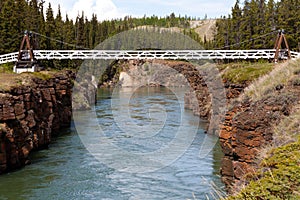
(56, 33)
(254, 24)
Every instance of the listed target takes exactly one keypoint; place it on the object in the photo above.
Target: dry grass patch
(11, 80)
(277, 79)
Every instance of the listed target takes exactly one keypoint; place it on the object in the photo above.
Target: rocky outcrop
(29, 116)
(150, 73)
(84, 93)
(247, 128)
(198, 98)
(234, 90)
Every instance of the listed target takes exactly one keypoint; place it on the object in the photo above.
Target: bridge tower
(26, 61)
(280, 53)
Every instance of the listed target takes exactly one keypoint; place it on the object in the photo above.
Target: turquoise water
(67, 170)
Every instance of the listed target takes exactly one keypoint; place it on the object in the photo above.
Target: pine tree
(69, 31)
(288, 20)
(258, 9)
(93, 31)
(9, 31)
(59, 33)
(22, 14)
(221, 33)
(50, 29)
(271, 24)
(247, 25)
(236, 24)
(79, 31)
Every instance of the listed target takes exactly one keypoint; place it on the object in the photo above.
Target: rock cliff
(249, 124)
(30, 113)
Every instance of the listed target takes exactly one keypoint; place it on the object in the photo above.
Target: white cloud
(104, 9)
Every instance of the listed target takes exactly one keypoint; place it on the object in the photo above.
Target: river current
(69, 170)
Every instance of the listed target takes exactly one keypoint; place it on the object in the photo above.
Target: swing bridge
(27, 58)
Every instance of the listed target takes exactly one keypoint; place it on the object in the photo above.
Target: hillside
(204, 28)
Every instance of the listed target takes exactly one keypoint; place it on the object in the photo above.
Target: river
(67, 170)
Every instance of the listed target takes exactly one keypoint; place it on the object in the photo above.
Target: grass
(9, 80)
(42, 75)
(12, 80)
(245, 72)
(278, 78)
(6, 68)
(288, 128)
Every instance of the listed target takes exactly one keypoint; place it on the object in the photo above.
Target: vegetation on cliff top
(279, 174)
(13, 80)
(278, 78)
(245, 72)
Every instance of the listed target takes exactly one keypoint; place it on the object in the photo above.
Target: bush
(278, 177)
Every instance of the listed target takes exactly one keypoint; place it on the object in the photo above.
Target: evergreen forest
(254, 24)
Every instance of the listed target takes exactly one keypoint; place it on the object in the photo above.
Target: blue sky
(108, 9)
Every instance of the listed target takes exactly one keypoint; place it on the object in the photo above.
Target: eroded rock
(29, 116)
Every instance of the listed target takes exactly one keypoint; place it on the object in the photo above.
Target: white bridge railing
(150, 54)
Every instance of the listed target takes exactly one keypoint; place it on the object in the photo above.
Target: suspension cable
(252, 39)
(59, 41)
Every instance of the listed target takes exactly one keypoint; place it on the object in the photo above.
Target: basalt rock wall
(30, 114)
(248, 127)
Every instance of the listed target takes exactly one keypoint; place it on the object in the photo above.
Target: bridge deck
(149, 54)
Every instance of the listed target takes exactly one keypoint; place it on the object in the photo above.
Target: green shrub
(278, 177)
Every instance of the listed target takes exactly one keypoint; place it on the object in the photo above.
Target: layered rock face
(30, 114)
(247, 128)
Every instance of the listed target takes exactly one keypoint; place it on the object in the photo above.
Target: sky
(111, 9)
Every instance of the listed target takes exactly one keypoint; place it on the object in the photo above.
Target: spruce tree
(41, 27)
(236, 24)
(10, 34)
(93, 31)
(271, 24)
(50, 29)
(59, 32)
(79, 31)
